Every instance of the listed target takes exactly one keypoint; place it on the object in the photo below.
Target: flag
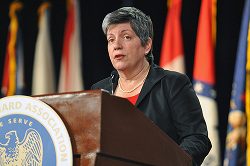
(13, 74)
(172, 54)
(235, 152)
(248, 94)
(204, 76)
(43, 71)
(70, 72)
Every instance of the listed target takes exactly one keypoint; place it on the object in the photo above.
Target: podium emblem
(31, 133)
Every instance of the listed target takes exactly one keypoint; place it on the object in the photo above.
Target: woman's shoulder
(169, 74)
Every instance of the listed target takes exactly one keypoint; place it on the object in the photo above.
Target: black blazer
(168, 99)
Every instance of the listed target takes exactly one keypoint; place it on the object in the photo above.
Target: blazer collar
(155, 75)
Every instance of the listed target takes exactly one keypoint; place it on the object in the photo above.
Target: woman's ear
(148, 46)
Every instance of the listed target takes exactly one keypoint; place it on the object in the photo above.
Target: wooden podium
(106, 130)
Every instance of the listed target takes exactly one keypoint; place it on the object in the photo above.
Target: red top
(133, 99)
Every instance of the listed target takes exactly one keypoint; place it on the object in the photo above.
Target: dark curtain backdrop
(95, 61)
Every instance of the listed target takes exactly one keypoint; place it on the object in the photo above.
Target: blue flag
(235, 153)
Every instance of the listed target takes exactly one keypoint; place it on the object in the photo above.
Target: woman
(165, 97)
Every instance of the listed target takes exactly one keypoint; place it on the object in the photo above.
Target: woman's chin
(120, 67)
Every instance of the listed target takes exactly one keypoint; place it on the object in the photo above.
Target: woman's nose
(117, 44)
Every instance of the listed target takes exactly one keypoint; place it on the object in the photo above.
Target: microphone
(112, 80)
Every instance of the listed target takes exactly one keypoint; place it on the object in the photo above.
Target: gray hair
(140, 23)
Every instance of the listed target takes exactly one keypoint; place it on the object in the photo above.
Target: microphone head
(114, 74)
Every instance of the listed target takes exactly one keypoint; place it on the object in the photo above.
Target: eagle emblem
(28, 152)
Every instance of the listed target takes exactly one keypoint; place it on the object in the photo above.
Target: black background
(95, 61)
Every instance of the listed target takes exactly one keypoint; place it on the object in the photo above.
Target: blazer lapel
(155, 75)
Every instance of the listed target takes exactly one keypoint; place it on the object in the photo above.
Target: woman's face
(125, 48)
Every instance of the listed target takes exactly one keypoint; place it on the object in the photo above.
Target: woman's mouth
(118, 56)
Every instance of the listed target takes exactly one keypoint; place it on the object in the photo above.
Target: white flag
(43, 71)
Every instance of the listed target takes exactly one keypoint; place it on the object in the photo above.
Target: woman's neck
(134, 75)
(129, 87)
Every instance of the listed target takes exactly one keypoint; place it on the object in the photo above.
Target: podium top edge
(97, 92)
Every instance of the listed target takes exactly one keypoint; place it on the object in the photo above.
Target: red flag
(204, 77)
(172, 54)
(204, 51)
(13, 76)
(70, 74)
